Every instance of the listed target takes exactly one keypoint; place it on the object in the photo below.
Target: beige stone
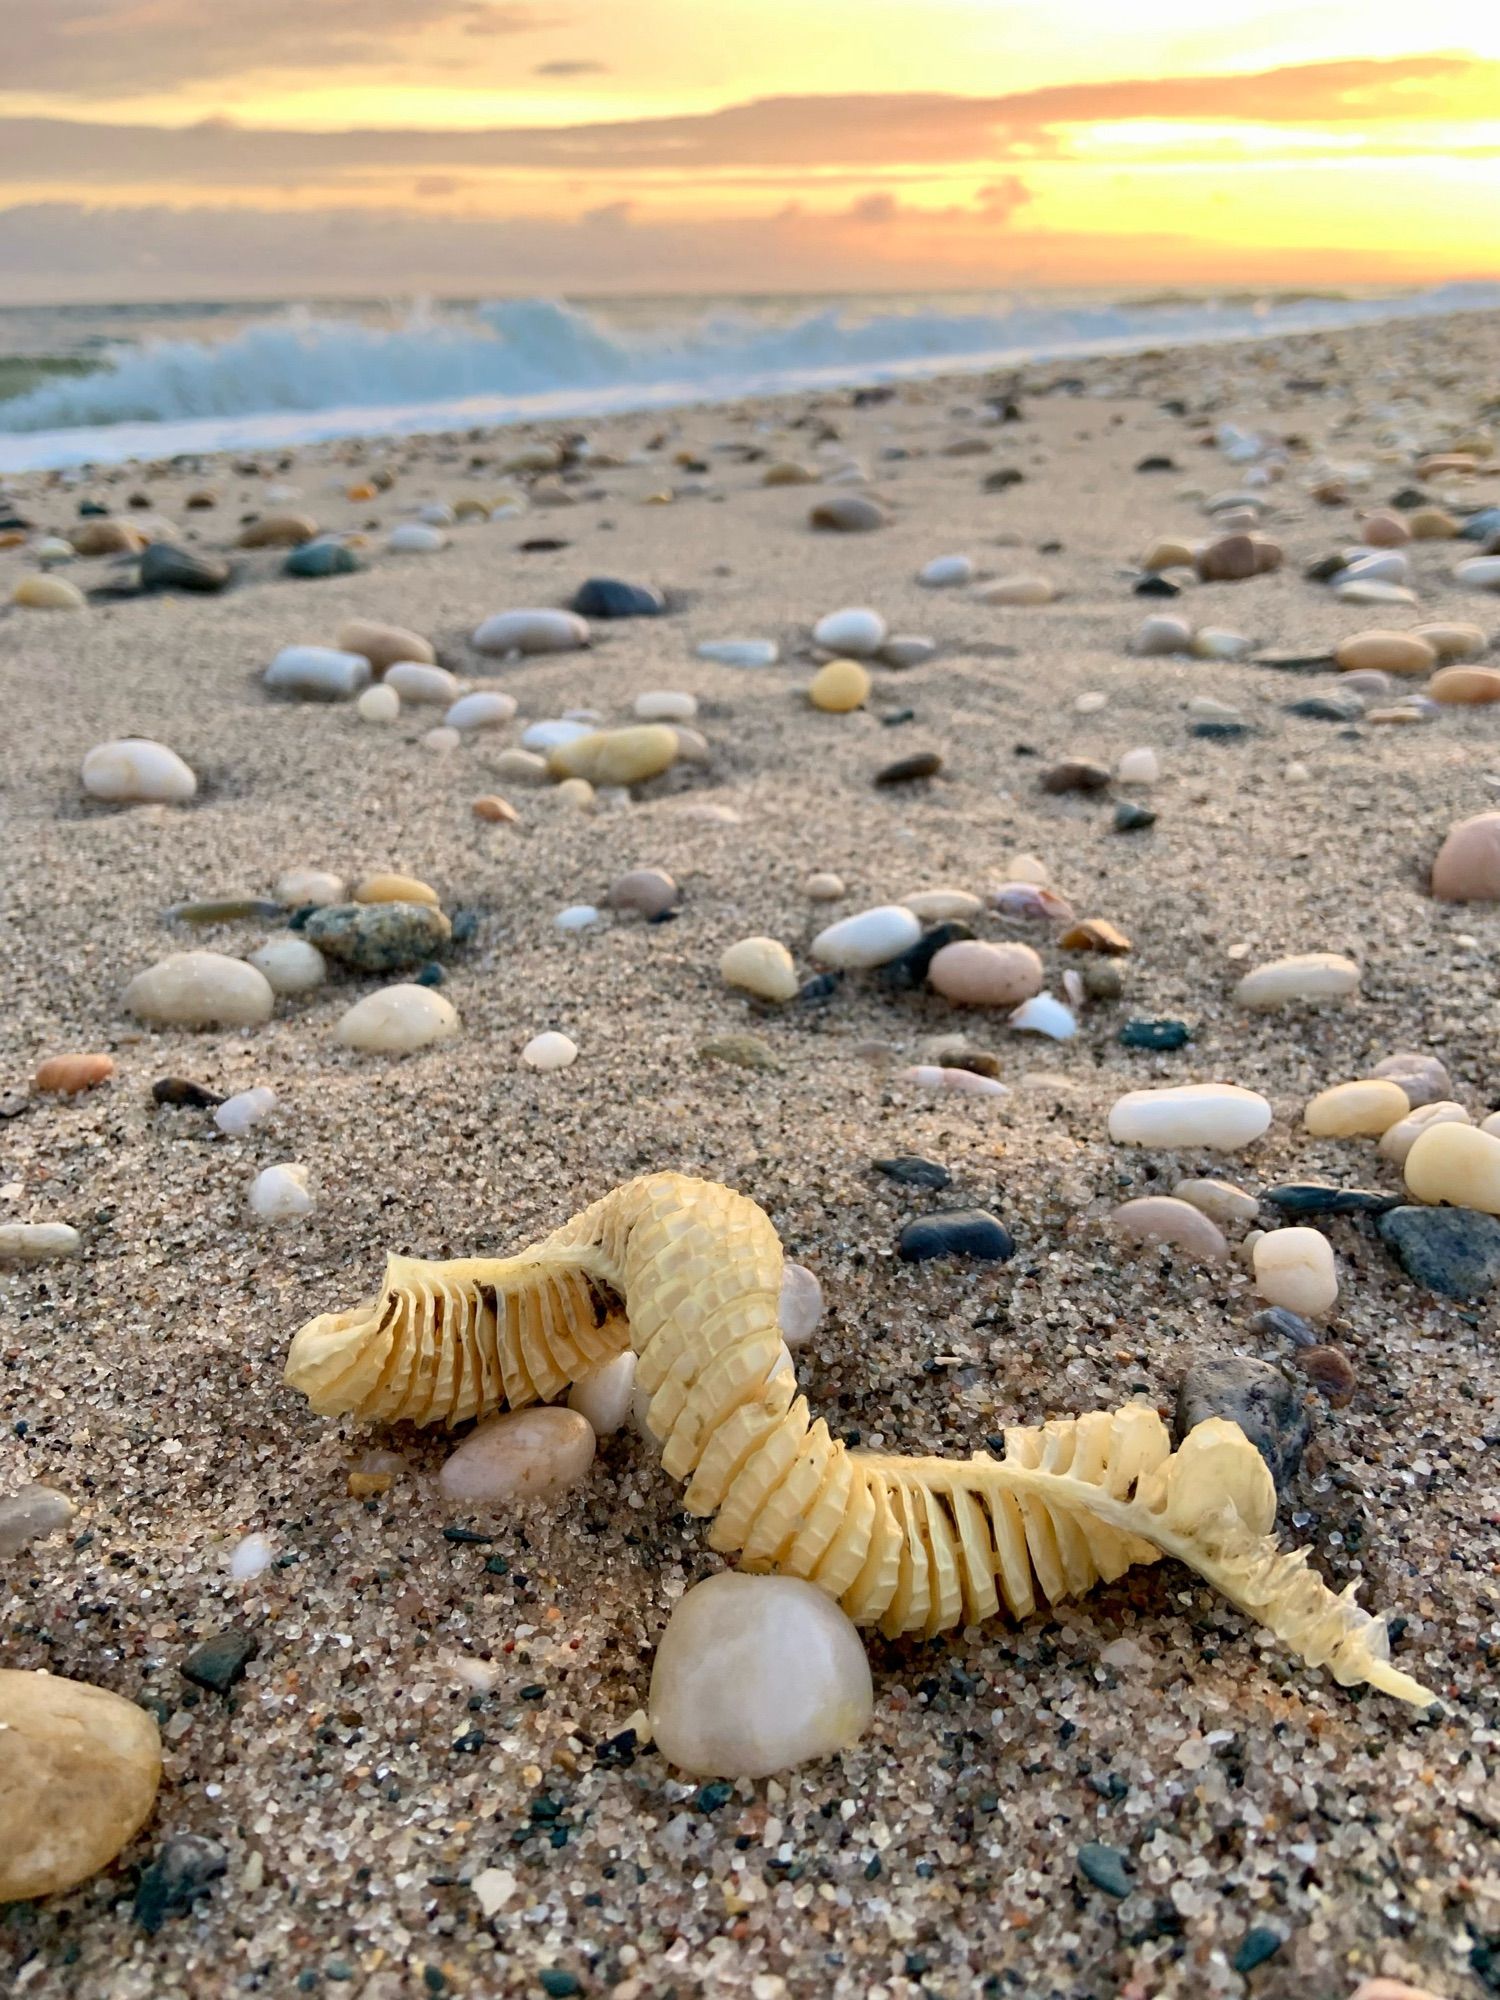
(199, 989)
(1424, 1079)
(1383, 530)
(1168, 554)
(1308, 976)
(48, 593)
(848, 513)
(383, 645)
(518, 1458)
(648, 891)
(1295, 1268)
(395, 1019)
(66, 1076)
(1220, 1201)
(1388, 652)
(1467, 686)
(1454, 642)
(762, 966)
(1397, 1140)
(973, 973)
(616, 756)
(396, 889)
(107, 538)
(278, 531)
(1360, 1110)
(1161, 1218)
(1019, 590)
(1458, 1164)
(1433, 524)
(941, 906)
(1467, 869)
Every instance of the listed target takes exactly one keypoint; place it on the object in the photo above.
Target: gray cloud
(566, 68)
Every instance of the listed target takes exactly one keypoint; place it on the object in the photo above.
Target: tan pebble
(577, 793)
(1467, 685)
(523, 766)
(1388, 652)
(762, 966)
(1397, 1140)
(65, 1076)
(1360, 1110)
(495, 809)
(367, 1485)
(839, 687)
(277, 531)
(48, 593)
(617, 756)
(1028, 868)
(397, 1018)
(396, 889)
(1231, 558)
(1295, 1268)
(973, 973)
(785, 473)
(1310, 976)
(648, 891)
(1160, 1218)
(1395, 717)
(848, 513)
(1389, 1989)
(1384, 531)
(384, 645)
(1433, 524)
(1168, 555)
(1094, 934)
(200, 989)
(1019, 590)
(941, 906)
(1467, 869)
(824, 888)
(1221, 1201)
(1458, 1164)
(107, 538)
(523, 1456)
(1454, 642)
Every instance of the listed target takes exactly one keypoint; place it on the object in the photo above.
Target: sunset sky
(208, 148)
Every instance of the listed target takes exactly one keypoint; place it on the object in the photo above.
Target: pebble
(183, 1871)
(38, 1242)
(48, 593)
(1373, 590)
(1295, 1268)
(1466, 686)
(378, 936)
(801, 1307)
(1454, 1251)
(1161, 1036)
(107, 537)
(199, 989)
(848, 514)
(81, 1770)
(32, 1513)
(907, 649)
(136, 769)
(378, 704)
(415, 538)
(755, 1675)
(523, 1456)
(973, 973)
(531, 632)
(1045, 1015)
(1421, 1076)
(1398, 1139)
(762, 966)
(964, 1082)
(665, 705)
(617, 756)
(911, 1170)
(1454, 642)
(1318, 1198)
(1310, 976)
(610, 597)
(321, 558)
(397, 1018)
(740, 652)
(1221, 1201)
(317, 673)
(279, 1193)
(824, 888)
(1467, 868)
(1163, 633)
(1138, 767)
(441, 740)
(300, 886)
(1221, 1116)
(603, 1396)
(414, 682)
(956, 1232)
(1480, 572)
(937, 906)
(944, 571)
(392, 888)
(549, 1050)
(1388, 652)
(744, 1051)
(291, 964)
(1163, 1218)
(1459, 1164)
(577, 917)
(241, 1113)
(855, 630)
(1075, 774)
(1232, 558)
(1095, 934)
(1258, 1397)
(1133, 818)
(906, 770)
(164, 567)
(550, 734)
(384, 645)
(839, 687)
(1104, 1867)
(277, 531)
(1362, 1110)
(1019, 590)
(650, 892)
(66, 1076)
(485, 710)
(871, 938)
(251, 1557)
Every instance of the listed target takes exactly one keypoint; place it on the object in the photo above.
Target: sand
(419, 1711)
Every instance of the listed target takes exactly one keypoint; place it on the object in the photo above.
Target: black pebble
(610, 597)
(1256, 1396)
(431, 974)
(1313, 1198)
(921, 764)
(1454, 1251)
(1156, 586)
(897, 716)
(1131, 818)
(1327, 708)
(220, 1660)
(956, 1232)
(181, 1090)
(1281, 1321)
(1325, 569)
(1220, 732)
(540, 545)
(1256, 1947)
(465, 925)
(1156, 462)
(911, 1170)
(180, 1873)
(166, 567)
(819, 990)
(1165, 1034)
(909, 971)
(1104, 1867)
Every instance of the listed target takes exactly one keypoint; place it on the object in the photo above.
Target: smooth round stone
(298, 886)
(496, 810)
(317, 673)
(1138, 767)
(1467, 686)
(531, 632)
(755, 1675)
(324, 557)
(1163, 633)
(485, 710)
(79, 1769)
(839, 687)
(1360, 1110)
(291, 964)
(396, 889)
(941, 906)
(199, 989)
(1019, 590)
(1467, 869)
(241, 1113)
(665, 705)
(378, 704)
(1309, 976)
(1454, 642)
(617, 756)
(1389, 652)
(1168, 554)
(1372, 590)
(740, 652)
(1459, 1164)
(1397, 1140)
(825, 888)
(107, 537)
(944, 571)
(801, 1306)
(38, 1242)
(973, 973)
(1362, 565)
(66, 1076)
(396, 1019)
(1368, 683)
(762, 966)
(576, 917)
(907, 649)
(1220, 1116)
(956, 1232)
(32, 1514)
(48, 593)
(280, 1193)
(611, 597)
(856, 630)
(1491, 1124)
(1295, 1268)
(136, 769)
(378, 937)
(1162, 1219)
(384, 645)
(1424, 1079)
(1480, 572)
(873, 937)
(416, 682)
(578, 793)
(522, 766)
(277, 531)
(1220, 1201)
(525, 1455)
(441, 740)
(549, 1050)
(1215, 642)
(786, 472)
(603, 1396)
(848, 514)
(650, 892)
(549, 734)
(416, 538)
(1453, 1251)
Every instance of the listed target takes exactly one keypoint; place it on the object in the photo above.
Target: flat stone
(218, 1662)
(182, 1871)
(1075, 774)
(848, 514)
(1422, 1076)
(741, 1051)
(1161, 1036)
(911, 1170)
(907, 770)
(958, 1232)
(166, 567)
(1313, 1198)
(1162, 1219)
(31, 1514)
(531, 631)
(1133, 818)
(38, 1242)
(1311, 977)
(1389, 652)
(1104, 1867)
(181, 1091)
(1454, 1251)
(317, 673)
(321, 558)
(1465, 686)
(520, 1457)
(1255, 1395)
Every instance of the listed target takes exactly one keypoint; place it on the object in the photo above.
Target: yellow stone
(1458, 1164)
(578, 793)
(396, 889)
(79, 1768)
(616, 756)
(48, 593)
(1432, 524)
(1168, 555)
(1390, 652)
(1466, 685)
(762, 966)
(1362, 1110)
(1295, 1268)
(840, 686)
(278, 531)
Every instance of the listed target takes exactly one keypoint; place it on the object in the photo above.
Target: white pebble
(524, 1455)
(576, 917)
(965, 1082)
(484, 710)
(1138, 767)
(250, 1557)
(545, 736)
(38, 1242)
(441, 740)
(1221, 1116)
(740, 652)
(417, 682)
(606, 1394)
(873, 937)
(134, 768)
(277, 1194)
(549, 1050)
(291, 964)
(945, 570)
(1043, 1015)
(531, 632)
(665, 705)
(199, 989)
(801, 1304)
(415, 538)
(1311, 976)
(308, 885)
(239, 1114)
(856, 630)
(1295, 1268)
(318, 673)
(397, 1018)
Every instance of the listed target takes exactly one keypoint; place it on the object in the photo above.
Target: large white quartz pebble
(1312, 975)
(739, 652)
(308, 885)
(549, 1050)
(318, 673)
(801, 1304)
(416, 682)
(531, 632)
(762, 966)
(38, 1242)
(291, 964)
(397, 1018)
(279, 1193)
(756, 1674)
(487, 709)
(135, 768)
(241, 1113)
(874, 937)
(1220, 1116)
(535, 1454)
(856, 630)
(604, 1395)
(1295, 1268)
(200, 989)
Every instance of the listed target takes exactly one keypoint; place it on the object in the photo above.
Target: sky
(195, 149)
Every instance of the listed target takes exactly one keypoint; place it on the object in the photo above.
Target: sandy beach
(418, 1710)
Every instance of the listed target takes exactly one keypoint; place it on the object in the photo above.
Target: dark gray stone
(322, 558)
(609, 597)
(1313, 1198)
(221, 1660)
(1164, 1034)
(906, 973)
(1256, 1396)
(166, 567)
(911, 1170)
(1131, 818)
(1105, 1868)
(906, 770)
(1454, 1251)
(178, 1875)
(957, 1232)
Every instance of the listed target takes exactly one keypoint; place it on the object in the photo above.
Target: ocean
(92, 384)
